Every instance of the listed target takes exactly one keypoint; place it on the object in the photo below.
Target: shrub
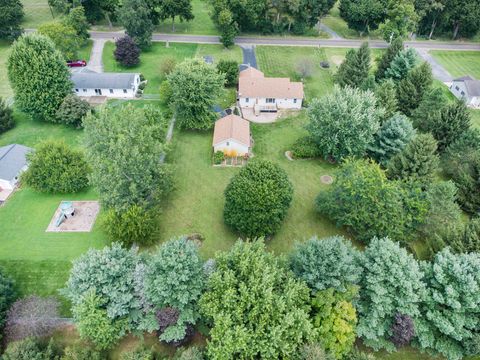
(403, 330)
(72, 111)
(166, 93)
(127, 52)
(314, 352)
(55, 168)
(305, 148)
(6, 117)
(81, 352)
(257, 199)
(190, 353)
(7, 296)
(229, 68)
(167, 66)
(139, 353)
(31, 349)
(218, 157)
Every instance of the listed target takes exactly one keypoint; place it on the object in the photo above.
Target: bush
(230, 69)
(127, 52)
(55, 168)
(257, 199)
(403, 330)
(314, 352)
(81, 352)
(6, 117)
(31, 349)
(305, 148)
(72, 111)
(191, 353)
(139, 353)
(166, 93)
(167, 66)
(136, 225)
(218, 157)
(7, 296)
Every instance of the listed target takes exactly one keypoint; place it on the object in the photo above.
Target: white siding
(5, 184)
(281, 103)
(231, 144)
(115, 93)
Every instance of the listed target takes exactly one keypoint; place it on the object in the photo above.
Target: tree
(463, 148)
(31, 349)
(401, 19)
(170, 9)
(94, 324)
(228, 28)
(81, 352)
(386, 94)
(195, 86)
(11, 19)
(63, 36)
(417, 161)
(77, 20)
(388, 56)
(55, 168)
(391, 284)
(413, 88)
(257, 199)
(369, 205)
(127, 53)
(229, 68)
(460, 237)
(175, 279)
(335, 319)
(430, 12)
(135, 16)
(363, 15)
(266, 316)
(344, 122)
(462, 16)
(450, 308)
(138, 353)
(6, 117)
(425, 115)
(403, 330)
(467, 179)
(326, 263)
(166, 93)
(401, 64)
(72, 111)
(125, 145)
(391, 139)
(355, 68)
(314, 351)
(7, 297)
(33, 66)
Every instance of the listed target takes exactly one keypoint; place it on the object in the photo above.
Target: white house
(468, 89)
(264, 94)
(13, 161)
(113, 85)
(232, 136)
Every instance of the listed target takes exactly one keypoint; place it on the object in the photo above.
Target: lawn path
(439, 72)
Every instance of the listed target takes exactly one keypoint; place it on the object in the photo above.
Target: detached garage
(232, 136)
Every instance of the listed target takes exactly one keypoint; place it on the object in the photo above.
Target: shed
(232, 136)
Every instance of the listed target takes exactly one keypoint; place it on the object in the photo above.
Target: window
(247, 100)
(456, 87)
(124, 91)
(294, 101)
(463, 93)
(270, 101)
(84, 90)
(228, 144)
(111, 91)
(76, 90)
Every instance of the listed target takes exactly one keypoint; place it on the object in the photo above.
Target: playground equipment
(66, 210)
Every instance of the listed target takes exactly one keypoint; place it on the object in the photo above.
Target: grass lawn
(5, 89)
(37, 12)
(85, 51)
(459, 63)
(152, 59)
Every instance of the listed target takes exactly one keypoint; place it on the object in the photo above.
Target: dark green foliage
(391, 139)
(11, 19)
(355, 68)
(363, 15)
(7, 296)
(467, 179)
(72, 111)
(39, 76)
(171, 9)
(463, 148)
(464, 238)
(6, 117)
(360, 355)
(228, 27)
(386, 95)
(305, 148)
(326, 263)
(413, 88)
(135, 16)
(31, 349)
(418, 161)
(76, 19)
(81, 352)
(401, 64)
(230, 69)
(55, 168)
(257, 199)
(425, 115)
(385, 61)
(166, 93)
(127, 52)
(218, 157)
(135, 225)
(266, 315)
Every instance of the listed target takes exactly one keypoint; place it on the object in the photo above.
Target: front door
(98, 91)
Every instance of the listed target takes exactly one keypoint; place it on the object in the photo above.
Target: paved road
(284, 41)
(439, 72)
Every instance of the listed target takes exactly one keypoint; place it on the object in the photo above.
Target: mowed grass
(459, 63)
(5, 89)
(85, 51)
(37, 12)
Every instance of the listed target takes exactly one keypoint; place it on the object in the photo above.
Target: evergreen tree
(6, 117)
(135, 16)
(429, 108)
(386, 95)
(385, 61)
(412, 89)
(401, 64)
(11, 19)
(417, 161)
(355, 68)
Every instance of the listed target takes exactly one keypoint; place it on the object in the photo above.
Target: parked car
(76, 63)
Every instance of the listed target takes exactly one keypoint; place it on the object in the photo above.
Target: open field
(37, 12)
(459, 63)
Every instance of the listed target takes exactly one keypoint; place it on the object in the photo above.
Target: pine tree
(412, 89)
(355, 68)
(6, 117)
(417, 161)
(395, 47)
(432, 103)
(402, 64)
(386, 95)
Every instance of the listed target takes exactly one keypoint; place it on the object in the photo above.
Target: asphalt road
(284, 41)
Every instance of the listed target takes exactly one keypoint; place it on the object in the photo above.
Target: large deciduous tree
(77, 20)
(11, 19)
(266, 315)
(39, 76)
(344, 122)
(63, 36)
(401, 19)
(135, 16)
(363, 15)
(195, 86)
(171, 9)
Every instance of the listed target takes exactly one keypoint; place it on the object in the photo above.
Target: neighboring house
(13, 161)
(232, 136)
(468, 89)
(264, 94)
(113, 85)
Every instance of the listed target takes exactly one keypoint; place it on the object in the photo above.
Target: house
(468, 89)
(232, 136)
(13, 161)
(264, 94)
(112, 85)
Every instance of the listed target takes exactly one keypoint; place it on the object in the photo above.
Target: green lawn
(85, 51)
(5, 89)
(37, 12)
(459, 63)
(152, 59)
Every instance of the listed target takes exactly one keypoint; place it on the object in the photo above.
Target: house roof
(472, 85)
(12, 160)
(232, 127)
(92, 80)
(253, 83)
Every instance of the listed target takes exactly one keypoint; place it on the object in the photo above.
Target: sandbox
(84, 217)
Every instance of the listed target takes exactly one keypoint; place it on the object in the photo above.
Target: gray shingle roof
(89, 80)
(472, 85)
(12, 160)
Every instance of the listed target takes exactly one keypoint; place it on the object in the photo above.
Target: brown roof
(232, 127)
(252, 83)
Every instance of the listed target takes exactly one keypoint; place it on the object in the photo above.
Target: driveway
(249, 57)
(95, 63)
(439, 72)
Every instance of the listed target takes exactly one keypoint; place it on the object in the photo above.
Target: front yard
(459, 63)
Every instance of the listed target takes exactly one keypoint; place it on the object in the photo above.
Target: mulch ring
(326, 179)
(289, 155)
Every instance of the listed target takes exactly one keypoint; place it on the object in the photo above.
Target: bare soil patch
(86, 213)
(326, 179)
